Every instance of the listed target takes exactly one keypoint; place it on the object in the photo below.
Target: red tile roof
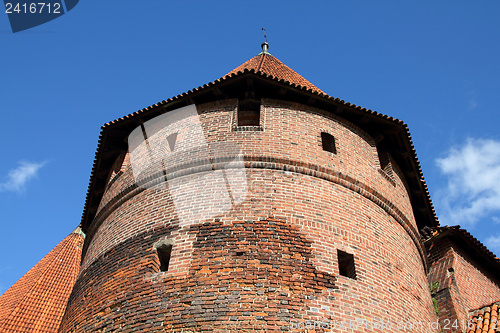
(469, 243)
(266, 63)
(485, 320)
(37, 301)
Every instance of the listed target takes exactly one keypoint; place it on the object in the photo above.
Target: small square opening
(346, 264)
(328, 142)
(248, 113)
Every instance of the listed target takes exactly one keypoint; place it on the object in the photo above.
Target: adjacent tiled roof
(469, 243)
(485, 320)
(465, 235)
(37, 301)
(266, 63)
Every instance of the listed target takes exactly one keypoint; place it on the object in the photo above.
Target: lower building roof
(484, 319)
(468, 243)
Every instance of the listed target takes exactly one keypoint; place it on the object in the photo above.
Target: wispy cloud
(18, 178)
(472, 101)
(493, 243)
(473, 188)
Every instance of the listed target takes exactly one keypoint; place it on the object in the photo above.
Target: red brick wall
(303, 204)
(476, 287)
(441, 262)
(464, 285)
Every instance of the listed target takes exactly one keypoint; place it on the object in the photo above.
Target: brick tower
(270, 207)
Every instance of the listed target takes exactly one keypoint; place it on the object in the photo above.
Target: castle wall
(463, 284)
(271, 261)
(477, 287)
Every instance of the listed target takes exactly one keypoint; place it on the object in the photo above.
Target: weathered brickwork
(476, 286)
(441, 275)
(272, 259)
(248, 276)
(463, 284)
(292, 138)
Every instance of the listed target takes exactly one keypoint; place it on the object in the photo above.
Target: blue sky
(432, 64)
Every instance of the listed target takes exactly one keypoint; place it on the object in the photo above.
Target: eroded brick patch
(247, 276)
(114, 294)
(252, 275)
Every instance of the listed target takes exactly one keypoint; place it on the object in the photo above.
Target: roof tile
(37, 301)
(485, 252)
(268, 64)
(485, 320)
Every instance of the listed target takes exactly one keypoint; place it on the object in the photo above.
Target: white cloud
(473, 188)
(493, 243)
(18, 178)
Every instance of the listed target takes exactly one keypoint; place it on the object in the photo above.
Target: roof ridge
(261, 62)
(273, 67)
(466, 233)
(79, 231)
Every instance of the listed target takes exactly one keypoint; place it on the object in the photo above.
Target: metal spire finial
(264, 45)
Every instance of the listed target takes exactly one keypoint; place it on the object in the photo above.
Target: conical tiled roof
(37, 301)
(266, 63)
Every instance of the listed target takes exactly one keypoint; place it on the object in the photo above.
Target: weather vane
(265, 37)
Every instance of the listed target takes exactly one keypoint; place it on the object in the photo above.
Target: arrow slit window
(386, 168)
(164, 251)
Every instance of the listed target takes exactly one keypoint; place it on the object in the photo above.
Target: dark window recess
(116, 169)
(164, 252)
(385, 162)
(346, 264)
(249, 113)
(171, 139)
(328, 142)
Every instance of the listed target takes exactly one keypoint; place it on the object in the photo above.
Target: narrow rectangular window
(346, 264)
(386, 168)
(164, 251)
(385, 162)
(328, 142)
